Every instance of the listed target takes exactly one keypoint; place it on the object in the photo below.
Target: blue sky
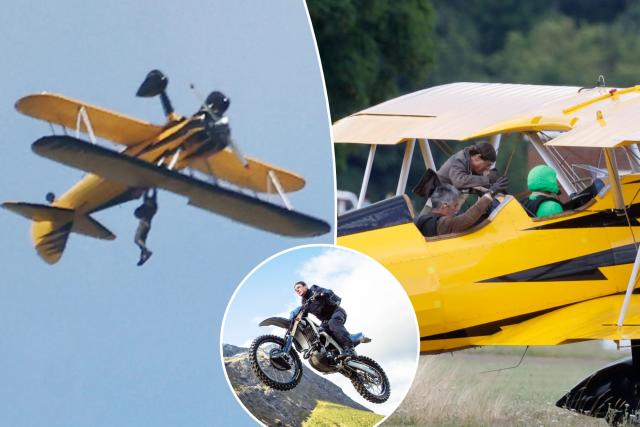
(376, 304)
(95, 340)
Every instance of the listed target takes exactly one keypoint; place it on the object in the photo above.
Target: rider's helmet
(217, 102)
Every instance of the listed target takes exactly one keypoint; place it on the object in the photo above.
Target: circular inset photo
(320, 335)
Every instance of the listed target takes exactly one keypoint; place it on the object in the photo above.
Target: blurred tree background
(372, 51)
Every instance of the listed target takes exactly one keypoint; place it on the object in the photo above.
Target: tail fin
(52, 225)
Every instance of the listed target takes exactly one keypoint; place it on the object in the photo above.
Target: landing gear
(612, 393)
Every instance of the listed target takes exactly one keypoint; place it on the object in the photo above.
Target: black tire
(263, 375)
(362, 381)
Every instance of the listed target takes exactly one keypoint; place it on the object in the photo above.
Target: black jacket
(324, 304)
(147, 209)
(531, 206)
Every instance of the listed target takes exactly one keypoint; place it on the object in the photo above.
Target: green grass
(457, 389)
(327, 414)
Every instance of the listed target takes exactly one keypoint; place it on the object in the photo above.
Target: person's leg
(339, 332)
(141, 240)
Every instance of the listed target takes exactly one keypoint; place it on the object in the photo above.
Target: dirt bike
(276, 363)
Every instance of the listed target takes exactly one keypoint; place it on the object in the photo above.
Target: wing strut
(276, 183)
(614, 181)
(83, 117)
(537, 143)
(406, 165)
(367, 174)
(630, 286)
(427, 156)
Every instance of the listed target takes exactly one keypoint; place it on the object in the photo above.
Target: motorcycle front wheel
(373, 387)
(278, 370)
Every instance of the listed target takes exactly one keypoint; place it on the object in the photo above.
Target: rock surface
(282, 408)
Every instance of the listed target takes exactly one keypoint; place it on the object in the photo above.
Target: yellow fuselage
(513, 267)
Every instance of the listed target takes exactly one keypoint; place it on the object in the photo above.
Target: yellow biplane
(513, 279)
(152, 158)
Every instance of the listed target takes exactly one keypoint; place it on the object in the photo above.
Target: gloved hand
(500, 186)
(493, 175)
(294, 312)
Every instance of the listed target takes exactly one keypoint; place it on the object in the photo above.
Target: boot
(144, 256)
(346, 353)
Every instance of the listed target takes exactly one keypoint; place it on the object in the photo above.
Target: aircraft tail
(52, 225)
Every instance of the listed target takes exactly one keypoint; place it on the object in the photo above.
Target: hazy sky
(375, 303)
(95, 340)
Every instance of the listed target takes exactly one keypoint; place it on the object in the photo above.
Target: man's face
(478, 165)
(300, 289)
(449, 209)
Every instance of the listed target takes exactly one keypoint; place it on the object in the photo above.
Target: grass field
(456, 389)
(327, 414)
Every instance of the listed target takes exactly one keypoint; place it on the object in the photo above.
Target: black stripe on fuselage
(126, 196)
(195, 123)
(487, 328)
(55, 241)
(491, 328)
(586, 267)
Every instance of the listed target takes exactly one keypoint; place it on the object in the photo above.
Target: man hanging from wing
(145, 213)
(325, 305)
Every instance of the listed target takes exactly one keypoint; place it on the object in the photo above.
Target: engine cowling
(322, 361)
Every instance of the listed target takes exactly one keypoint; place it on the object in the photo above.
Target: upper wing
(106, 124)
(609, 128)
(225, 165)
(461, 111)
(138, 173)
(594, 319)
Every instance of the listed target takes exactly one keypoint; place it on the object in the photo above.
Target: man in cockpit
(466, 169)
(446, 200)
(542, 181)
(325, 305)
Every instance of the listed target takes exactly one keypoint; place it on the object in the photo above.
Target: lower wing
(594, 319)
(138, 173)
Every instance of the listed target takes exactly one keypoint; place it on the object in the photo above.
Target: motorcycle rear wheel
(375, 389)
(261, 351)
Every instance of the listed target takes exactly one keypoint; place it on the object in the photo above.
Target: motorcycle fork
(289, 337)
(287, 344)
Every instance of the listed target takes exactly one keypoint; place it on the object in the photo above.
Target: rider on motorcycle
(325, 305)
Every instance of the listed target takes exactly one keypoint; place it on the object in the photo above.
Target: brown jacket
(457, 172)
(459, 223)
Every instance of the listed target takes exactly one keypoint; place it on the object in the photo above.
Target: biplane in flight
(513, 279)
(153, 157)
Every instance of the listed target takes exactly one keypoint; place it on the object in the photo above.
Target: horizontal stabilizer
(38, 212)
(134, 172)
(51, 227)
(88, 226)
